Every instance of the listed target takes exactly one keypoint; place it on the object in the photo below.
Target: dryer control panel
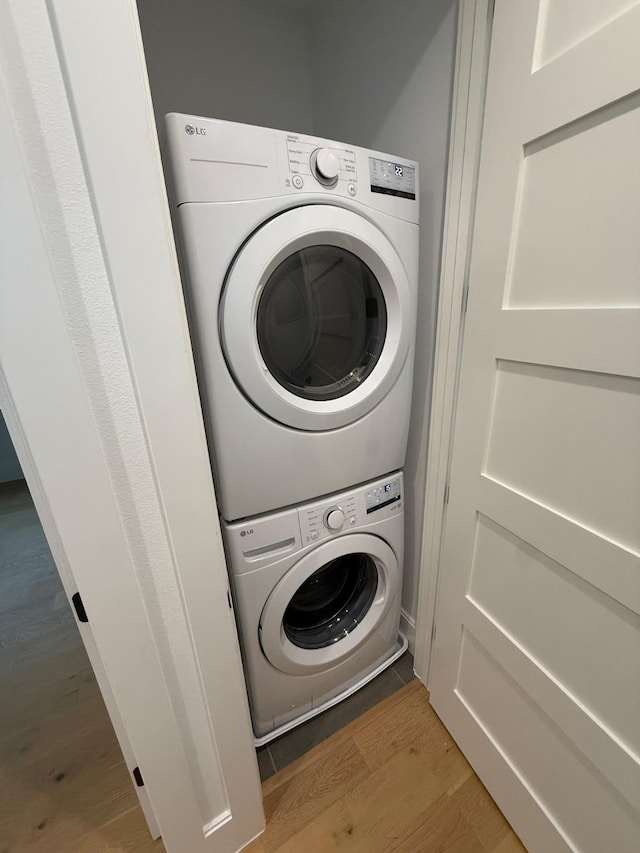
(302, 162)
(213, 161)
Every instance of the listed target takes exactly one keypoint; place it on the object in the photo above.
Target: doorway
(64, 780)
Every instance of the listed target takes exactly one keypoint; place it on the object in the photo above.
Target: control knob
(334, 518)
(325, 166)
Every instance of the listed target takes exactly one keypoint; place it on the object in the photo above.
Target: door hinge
(81, 613)
(446, 494)
(137, 775)
(229, 600)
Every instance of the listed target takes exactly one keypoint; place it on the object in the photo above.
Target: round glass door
(316, 317)
(332, 602)
(329, 603)
(321, 322)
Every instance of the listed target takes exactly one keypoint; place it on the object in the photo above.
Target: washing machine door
(329, 603)
(315, 317)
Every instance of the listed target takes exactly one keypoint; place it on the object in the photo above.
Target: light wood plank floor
(393, 781)
(64, 786)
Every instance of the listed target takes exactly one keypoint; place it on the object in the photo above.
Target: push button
(352, 189)
(297, 181)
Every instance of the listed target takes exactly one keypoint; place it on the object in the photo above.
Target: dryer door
(329, 603)
(316, 317)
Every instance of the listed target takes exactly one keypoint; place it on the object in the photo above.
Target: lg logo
(199, 131)
(246, 532)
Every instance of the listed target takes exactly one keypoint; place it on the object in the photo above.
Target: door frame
(41, 500)
(467, 113)
(121, 479)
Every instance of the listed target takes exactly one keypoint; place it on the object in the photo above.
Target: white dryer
(301, 265)
(317, 595)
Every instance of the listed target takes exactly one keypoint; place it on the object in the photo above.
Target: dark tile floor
(295, 743)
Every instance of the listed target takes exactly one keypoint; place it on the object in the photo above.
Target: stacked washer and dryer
(300, 261)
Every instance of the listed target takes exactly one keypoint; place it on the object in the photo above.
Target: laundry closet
(530, 515)
(372, 74)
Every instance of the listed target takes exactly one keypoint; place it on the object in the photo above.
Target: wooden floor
(64, 787)
(390, 781)
(393, 781)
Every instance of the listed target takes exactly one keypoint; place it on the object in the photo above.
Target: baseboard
(408, 628)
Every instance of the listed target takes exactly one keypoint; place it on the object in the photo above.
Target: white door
(536, 666)
(312, 316)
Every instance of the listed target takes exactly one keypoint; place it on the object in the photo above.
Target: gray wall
(240, 60)
(389, 87)
(376, 73)
(9, 466)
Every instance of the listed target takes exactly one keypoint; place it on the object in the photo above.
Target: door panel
(565, 24)
(557, 772)
(547, 419)
(536, 664)
(516, 586)
(559, 260)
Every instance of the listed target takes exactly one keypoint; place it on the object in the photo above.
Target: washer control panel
(334, 518)
(326, 518)
(339, 514)
(383, 495)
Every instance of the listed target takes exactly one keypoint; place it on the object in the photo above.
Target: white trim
(117, 439)
(408, 630)
(472, 52)
(218, 822)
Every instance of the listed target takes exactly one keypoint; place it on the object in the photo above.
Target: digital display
(392, 178)
(383, 496)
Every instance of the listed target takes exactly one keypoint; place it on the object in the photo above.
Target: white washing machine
(301, 262)
(317, 595)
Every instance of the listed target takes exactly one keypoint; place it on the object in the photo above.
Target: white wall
(383, 79)
(240, 60)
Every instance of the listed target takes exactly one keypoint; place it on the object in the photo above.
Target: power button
(297, 181)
